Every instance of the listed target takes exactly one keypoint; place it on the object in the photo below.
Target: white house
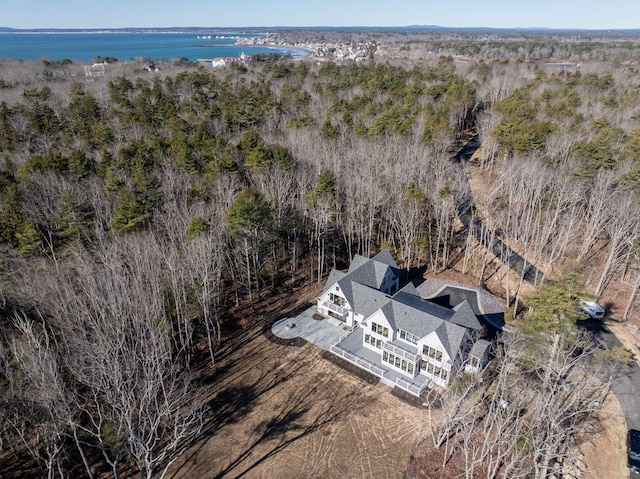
(354, 295)
(396, 334)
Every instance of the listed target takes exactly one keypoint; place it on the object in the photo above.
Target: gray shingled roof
(334, 277)
(451, 336)
(385, 257)
(487, 303)
(357, 261)
(464, 316)
(367, 274)
(370, 272)
(415, 301)
(417, 316)
(479, 348)
(367, 301)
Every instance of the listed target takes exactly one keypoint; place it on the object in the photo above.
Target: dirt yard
(603, 449)
(285, 412)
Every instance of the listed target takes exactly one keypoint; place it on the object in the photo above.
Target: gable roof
(372, 272)
(362, 298)
(464, 316)
(357, 261)
(451, 336)
(367, 301)
(385, 257)
(334, 277)
(364, 271)
(422, 318)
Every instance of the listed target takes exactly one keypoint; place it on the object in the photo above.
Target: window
(339, 300)
(381, 330)
(398, 362)
(410, 338)
(388, 357)
(376, 343)
(432, 352)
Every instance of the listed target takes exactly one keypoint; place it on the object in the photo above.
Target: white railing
(413, 357)
(413, 388)
(388, 382)
(335, 308)
(348, 333)
(358, 361)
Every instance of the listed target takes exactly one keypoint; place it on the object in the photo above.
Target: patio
(323, 333)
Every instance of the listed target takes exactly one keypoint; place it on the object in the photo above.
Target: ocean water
(84, 47)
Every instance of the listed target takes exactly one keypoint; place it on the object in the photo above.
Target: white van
(592, 309)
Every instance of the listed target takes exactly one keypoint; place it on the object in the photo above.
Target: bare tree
(623, 229)
(41, 394)
(136, 397)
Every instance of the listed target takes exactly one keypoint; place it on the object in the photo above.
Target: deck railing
(357, 360)
(416, 389)
(335, 308)
(348, 333)
(398, 351)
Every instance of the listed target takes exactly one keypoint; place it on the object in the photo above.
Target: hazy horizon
(498, 14)
(241, 28)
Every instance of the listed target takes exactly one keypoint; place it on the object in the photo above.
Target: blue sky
(588, 14)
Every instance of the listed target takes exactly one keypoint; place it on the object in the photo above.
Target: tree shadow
(231, 403)
(289, 425)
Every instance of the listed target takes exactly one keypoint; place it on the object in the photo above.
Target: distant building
(95, 70)
(224, 61)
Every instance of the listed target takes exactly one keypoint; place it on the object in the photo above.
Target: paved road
(495, 244)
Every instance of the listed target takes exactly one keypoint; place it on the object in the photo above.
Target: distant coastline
(125, 44)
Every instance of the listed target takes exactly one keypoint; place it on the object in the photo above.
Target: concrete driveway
(323, 333)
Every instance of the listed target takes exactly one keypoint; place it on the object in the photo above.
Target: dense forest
(137, 206)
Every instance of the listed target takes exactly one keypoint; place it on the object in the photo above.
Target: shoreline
(307, 50)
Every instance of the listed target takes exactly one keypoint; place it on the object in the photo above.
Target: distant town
(333, 50)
